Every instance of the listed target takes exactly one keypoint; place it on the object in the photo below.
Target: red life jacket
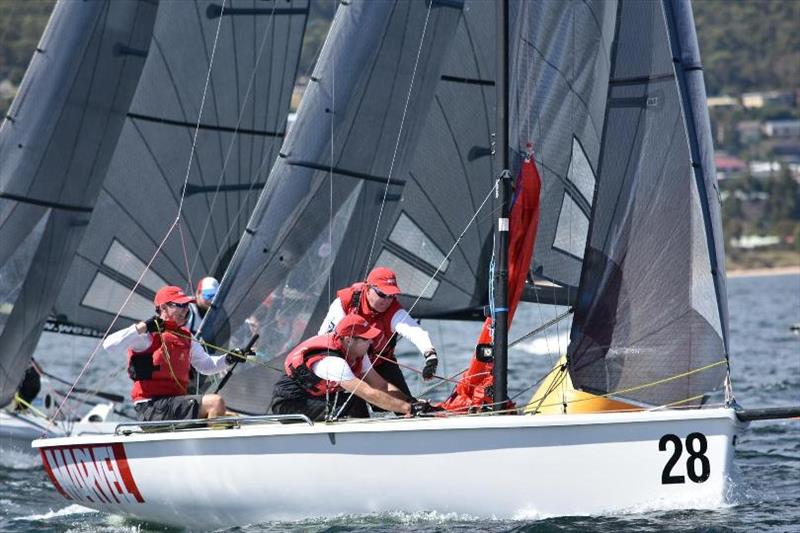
(300, 360)
(354, 300)
(150, 369)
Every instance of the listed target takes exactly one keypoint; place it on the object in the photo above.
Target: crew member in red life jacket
(324, 371)
(160, 351)
(376, 301)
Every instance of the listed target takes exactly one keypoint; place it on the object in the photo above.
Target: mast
(501, 237)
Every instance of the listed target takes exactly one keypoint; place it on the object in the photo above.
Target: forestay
(55, 148)
(651, 317)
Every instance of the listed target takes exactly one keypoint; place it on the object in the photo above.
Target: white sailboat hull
(498, 466)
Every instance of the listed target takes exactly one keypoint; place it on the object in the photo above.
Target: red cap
(354, 325)
(173, 294)
(384, 280)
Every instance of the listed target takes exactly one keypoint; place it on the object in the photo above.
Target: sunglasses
(382, 295)
(179, 306)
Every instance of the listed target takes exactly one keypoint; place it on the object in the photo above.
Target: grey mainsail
(369, 107)
(55, 147)
(249, 50)
(651, 318)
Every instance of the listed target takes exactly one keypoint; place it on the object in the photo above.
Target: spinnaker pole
(500, 370)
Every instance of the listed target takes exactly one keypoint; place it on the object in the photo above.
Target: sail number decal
(92, 474)
(698, 467)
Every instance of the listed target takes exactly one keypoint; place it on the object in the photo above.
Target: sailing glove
(238, 356)
(154, 324)
(431, 363)
(423, 407)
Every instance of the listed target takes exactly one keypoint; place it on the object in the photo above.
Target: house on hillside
(761, 99)
(728, 166)
(749, 131)
(782, 129)
(723, 102)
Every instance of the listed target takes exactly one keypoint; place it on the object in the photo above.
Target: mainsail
(651, 317)
(55, 147)
(211, 108)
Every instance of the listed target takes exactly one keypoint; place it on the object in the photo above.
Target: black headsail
(383, 114)
(55, 147)
(651, 316)
(249, 52)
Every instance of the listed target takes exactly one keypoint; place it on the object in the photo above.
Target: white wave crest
(66, 511)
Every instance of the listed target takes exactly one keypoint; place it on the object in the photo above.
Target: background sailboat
(200, 132)
(55, 148)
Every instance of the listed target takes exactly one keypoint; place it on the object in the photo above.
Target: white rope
(233, 140)
(397, 143)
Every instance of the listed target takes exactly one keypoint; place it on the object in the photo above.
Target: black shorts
(288, 397)
(169, 408)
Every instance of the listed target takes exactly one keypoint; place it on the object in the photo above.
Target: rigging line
(541, 328)
(186, 259)
(442, 381)
(397, 143)
(233, 137)
(650, 384)
(535, 383)
(330, 176)
(558, 380)
(199, 116)
(145, 271)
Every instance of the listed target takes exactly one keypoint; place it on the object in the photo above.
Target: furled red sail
(474, 389)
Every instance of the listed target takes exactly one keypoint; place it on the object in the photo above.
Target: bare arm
(381, 398)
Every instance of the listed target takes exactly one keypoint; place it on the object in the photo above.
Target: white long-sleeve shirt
(119, 342)
(402, 324)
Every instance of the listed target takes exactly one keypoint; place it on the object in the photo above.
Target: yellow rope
(226, 351)
(34, 410)
(645, 385)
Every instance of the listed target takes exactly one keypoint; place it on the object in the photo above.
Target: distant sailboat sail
(255, 48)
(55, 147)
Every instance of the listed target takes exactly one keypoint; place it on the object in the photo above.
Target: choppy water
(766, 368)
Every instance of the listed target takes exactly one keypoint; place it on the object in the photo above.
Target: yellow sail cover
(556, 396)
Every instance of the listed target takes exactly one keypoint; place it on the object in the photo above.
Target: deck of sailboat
(266, 426)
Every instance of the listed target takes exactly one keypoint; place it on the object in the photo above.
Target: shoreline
(761, 272)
